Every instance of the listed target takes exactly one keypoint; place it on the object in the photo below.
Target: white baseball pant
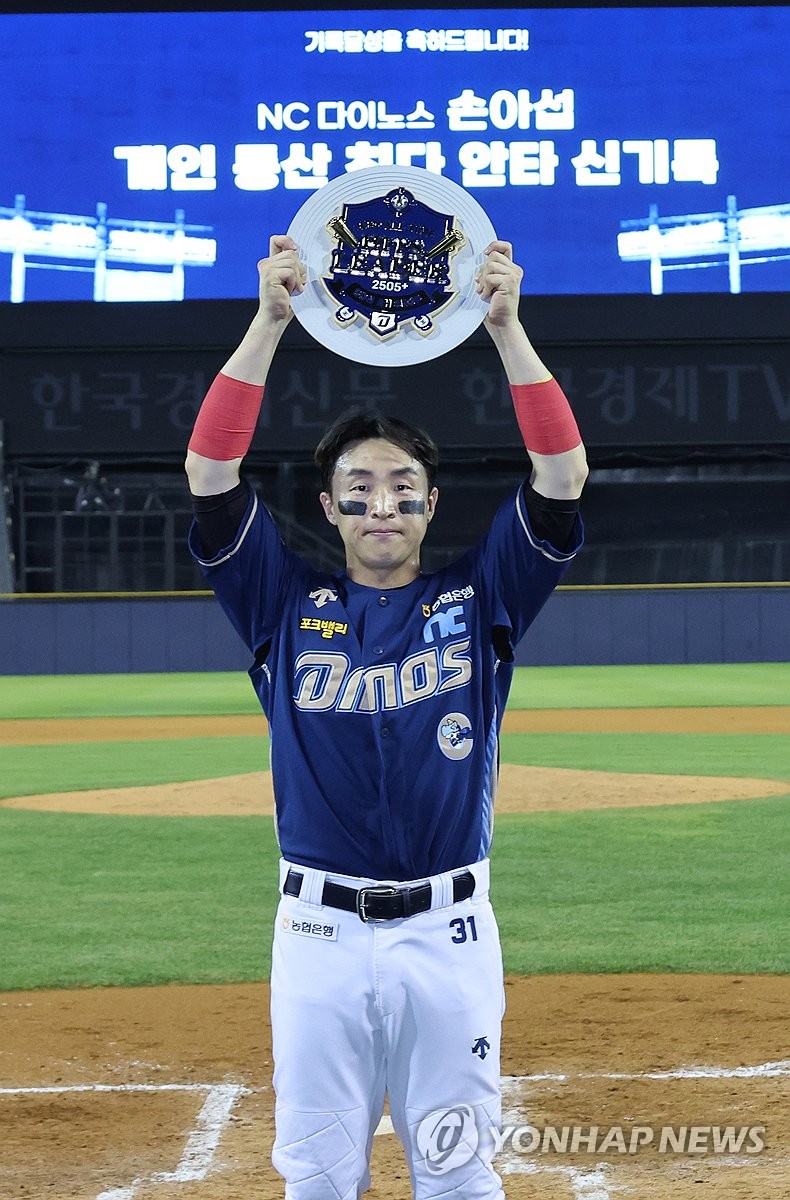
(408, 1008)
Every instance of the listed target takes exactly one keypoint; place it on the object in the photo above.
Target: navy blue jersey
(384, 705)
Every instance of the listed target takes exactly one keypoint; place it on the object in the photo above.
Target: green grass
(93, 900)
(662, 686)
(142, 695)
(696, 888)
(78, 766)
(761, 756)
(88, 900)
(224, 692)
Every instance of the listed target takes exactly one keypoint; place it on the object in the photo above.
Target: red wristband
(227, 419)
(544, 417)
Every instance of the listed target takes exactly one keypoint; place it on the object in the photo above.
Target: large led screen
(622, 150)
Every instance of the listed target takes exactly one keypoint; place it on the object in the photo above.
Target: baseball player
(384, 688)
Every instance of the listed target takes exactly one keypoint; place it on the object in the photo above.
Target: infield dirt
(576, 1029)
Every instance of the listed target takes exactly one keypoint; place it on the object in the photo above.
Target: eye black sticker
(358, 508)
(352, 508)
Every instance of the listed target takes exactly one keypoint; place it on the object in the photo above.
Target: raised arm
(229, 413)
(551, 436)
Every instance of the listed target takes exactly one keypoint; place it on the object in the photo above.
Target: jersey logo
(322, 596)
(454, 736)
(481, 1047)
(391, 263)
(325, 680)
(444, 624)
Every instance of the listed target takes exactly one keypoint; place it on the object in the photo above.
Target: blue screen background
(78, 85)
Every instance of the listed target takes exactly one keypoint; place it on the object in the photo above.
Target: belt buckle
(362, 898)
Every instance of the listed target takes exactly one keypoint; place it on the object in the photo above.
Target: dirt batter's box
(574, 1136)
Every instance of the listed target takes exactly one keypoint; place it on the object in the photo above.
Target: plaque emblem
(391, 255)
(391, 263)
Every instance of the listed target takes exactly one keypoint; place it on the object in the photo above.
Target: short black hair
(358, 425)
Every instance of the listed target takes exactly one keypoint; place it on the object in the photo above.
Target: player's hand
(279, 276)
(499, 282)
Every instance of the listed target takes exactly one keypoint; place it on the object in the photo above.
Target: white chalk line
(591, 1184)
(770, 1070)
(198, 1156)
(56, 1090)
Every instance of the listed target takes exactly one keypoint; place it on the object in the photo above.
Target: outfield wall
(579, 626)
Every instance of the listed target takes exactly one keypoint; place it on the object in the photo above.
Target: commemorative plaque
(391, 255)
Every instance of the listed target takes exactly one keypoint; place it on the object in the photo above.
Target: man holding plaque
(384, 688)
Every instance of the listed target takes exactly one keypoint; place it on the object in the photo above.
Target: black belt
(381, 902)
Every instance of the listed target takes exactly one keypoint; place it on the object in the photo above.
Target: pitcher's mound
(521, 790)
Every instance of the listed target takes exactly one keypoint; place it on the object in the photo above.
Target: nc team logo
(391, 264)
(442, 625)
(447, 1138)
(454, 736)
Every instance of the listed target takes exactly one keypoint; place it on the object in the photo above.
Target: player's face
(381, 504)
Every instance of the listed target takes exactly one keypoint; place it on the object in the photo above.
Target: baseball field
(640, 876)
